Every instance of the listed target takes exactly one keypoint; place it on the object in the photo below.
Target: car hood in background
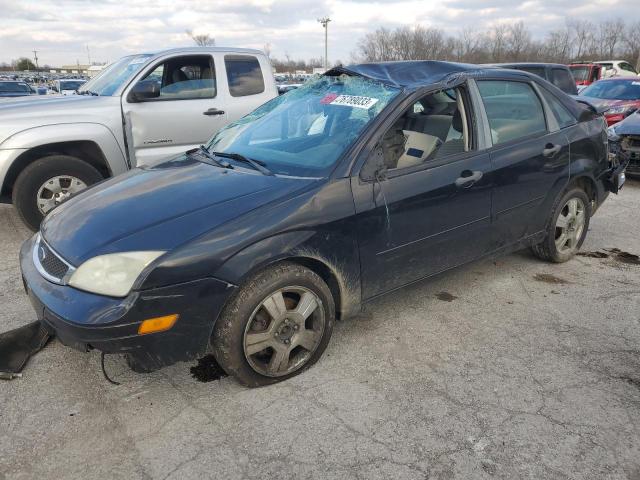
(158, 208)
(603, 104)
(629, 126)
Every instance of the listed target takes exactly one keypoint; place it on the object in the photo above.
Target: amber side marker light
(158, 324)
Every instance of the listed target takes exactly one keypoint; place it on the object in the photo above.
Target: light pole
(325, 23)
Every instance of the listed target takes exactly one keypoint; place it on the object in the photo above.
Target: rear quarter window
(244, 75)
(564, 117)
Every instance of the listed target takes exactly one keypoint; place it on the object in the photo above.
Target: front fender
(71, 132)
(328, 251)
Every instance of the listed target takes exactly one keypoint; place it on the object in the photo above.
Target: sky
(61, 30)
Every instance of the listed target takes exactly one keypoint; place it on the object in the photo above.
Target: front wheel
(276, 326)
(567, 227)
(47, 182)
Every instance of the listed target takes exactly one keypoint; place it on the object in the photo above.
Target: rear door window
(562, 79)
(244, 75)
(513, 109)
(626, 66)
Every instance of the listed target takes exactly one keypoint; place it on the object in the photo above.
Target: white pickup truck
(140, 109)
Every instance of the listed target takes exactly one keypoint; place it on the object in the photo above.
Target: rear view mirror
(144, 90)
(374, 168)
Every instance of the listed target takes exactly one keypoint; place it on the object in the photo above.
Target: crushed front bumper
(86, 321)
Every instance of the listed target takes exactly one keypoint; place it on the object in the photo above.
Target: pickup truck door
(181, 105)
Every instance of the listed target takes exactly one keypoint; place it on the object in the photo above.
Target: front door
(186, 112)
(431, 211)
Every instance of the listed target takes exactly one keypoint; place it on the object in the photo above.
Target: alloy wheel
(284, 331)
(570, 225)
(56, 190)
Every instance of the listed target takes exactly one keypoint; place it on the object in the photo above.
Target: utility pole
(35, 57)
(325, 23)
(88, 55)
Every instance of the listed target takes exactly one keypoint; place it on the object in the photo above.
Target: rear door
(529, 156)
(189, 109)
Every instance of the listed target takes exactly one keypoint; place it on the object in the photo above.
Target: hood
(602, 103)
(158, 208)
(629, 126)
(18, 114)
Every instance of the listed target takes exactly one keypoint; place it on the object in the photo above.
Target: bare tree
(610, 35)
(632, 43)
(267, 49)
(577, 40)
(202, 40)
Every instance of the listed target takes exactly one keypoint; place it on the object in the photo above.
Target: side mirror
(374, 168)
(144, 90)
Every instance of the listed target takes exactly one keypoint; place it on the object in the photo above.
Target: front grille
(50, 265)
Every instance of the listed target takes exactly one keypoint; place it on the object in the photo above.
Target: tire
(549, 249)
(45, 170)
(256, 312)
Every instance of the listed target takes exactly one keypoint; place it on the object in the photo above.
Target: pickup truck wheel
(47, 182)
(567, 227)
(277, 325)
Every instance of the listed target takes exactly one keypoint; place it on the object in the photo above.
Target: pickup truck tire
(276, 326)
(566, 228)
(44, 170)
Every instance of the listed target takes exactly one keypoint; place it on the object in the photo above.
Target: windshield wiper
(88, 92)
(203, 151)
(256, 164)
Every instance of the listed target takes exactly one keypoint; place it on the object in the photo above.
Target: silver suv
(140, 109)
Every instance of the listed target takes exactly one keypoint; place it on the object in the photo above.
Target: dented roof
(406, 74)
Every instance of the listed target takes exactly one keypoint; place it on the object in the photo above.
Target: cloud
(61, 30)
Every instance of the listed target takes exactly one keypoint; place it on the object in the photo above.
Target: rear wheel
(567, 227)
(47, 182)
(276, 326)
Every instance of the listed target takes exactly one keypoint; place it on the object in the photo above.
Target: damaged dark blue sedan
(361, 181)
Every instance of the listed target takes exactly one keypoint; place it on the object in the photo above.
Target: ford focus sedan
(361, 181)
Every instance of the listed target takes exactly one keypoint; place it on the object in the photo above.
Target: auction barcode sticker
(354, 101)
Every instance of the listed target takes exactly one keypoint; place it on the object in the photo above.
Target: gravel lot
(505, 369)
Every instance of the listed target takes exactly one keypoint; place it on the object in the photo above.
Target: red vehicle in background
(619, 95)
(585, 73)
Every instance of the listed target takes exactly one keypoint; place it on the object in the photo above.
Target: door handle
(213, 111)
(550, 150)
(467, 178)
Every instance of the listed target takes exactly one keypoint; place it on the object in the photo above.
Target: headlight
(113, 274)
(612, 135)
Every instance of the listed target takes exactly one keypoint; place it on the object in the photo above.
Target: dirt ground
(502, 369)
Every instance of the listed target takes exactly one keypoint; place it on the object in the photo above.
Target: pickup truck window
(244, 75)
(184, 78)
(513, 110)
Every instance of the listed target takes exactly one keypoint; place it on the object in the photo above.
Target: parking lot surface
(511, 368)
